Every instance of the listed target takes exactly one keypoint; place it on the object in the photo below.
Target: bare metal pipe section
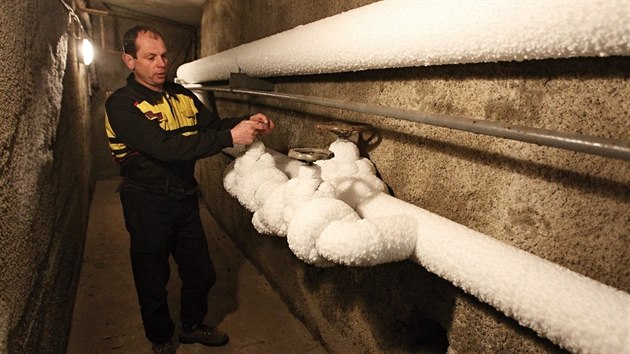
(594, 145)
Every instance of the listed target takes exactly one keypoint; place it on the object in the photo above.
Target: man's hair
(129, 39)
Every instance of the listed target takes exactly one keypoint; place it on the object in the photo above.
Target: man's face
(151, 62)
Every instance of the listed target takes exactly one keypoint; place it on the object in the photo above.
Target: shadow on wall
(565, 68)
(401, 323)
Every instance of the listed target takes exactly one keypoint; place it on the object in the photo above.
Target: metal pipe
(102, 25)
(618, 149)
(423, 33)
(92, 11)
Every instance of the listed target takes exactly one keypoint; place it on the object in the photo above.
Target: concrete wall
(569, 208)
(45, 179)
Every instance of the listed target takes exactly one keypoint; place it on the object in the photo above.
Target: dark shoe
(204, 334)
(164, 348)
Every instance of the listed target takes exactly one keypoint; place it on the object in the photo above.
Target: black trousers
(161, 225)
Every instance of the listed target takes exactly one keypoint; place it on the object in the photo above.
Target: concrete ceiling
(182, 11)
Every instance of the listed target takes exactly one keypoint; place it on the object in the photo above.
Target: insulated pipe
(573, 311)
(569, 141)
(395, 34)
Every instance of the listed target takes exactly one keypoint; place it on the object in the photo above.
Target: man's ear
(129, 61)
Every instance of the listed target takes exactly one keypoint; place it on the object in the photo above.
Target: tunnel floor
(106, 316)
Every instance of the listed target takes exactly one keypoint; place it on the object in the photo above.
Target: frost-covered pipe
(573, 311)
(357, 223)
(398, 33)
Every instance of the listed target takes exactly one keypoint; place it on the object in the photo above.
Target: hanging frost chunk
(369, 242)
(252, 171)
(230, 179)
(308, 222)
(268, 219)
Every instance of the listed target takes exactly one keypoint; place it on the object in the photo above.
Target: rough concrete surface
(567, 207)
(44, 175)
(106, 315)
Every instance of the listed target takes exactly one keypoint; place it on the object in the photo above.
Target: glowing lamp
(86, 51)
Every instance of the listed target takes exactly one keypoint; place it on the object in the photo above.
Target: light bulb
(87, 51)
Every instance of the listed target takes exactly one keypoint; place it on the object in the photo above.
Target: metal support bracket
(244, 81)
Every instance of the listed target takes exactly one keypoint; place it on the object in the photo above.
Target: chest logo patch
(154, 116)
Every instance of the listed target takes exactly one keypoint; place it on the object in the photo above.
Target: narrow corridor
(106, 317)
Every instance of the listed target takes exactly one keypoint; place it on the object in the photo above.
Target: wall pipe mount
(594, 145)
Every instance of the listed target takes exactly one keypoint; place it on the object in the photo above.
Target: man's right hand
(245, 132)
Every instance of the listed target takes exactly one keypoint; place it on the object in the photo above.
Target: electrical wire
(73, 16)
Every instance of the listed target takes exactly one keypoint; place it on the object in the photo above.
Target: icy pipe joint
(315, 209)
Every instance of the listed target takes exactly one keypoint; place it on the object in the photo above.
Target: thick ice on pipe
(397, 33)
(244, 177)
(368, 242)
(310, 220)
(574, 311)
(276, 212)
(353, 177)
(304, 208)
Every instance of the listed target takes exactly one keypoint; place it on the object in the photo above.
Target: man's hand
(245, 132)
(267, 123)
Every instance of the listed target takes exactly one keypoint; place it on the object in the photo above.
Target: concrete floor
(106, 317)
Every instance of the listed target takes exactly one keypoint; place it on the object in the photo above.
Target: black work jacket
(156, 137)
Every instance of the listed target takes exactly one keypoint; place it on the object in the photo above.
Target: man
(157, 130)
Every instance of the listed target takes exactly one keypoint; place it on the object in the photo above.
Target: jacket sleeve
(146, 136)
(209, 119)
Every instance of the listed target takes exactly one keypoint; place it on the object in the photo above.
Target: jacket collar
(153, 96)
